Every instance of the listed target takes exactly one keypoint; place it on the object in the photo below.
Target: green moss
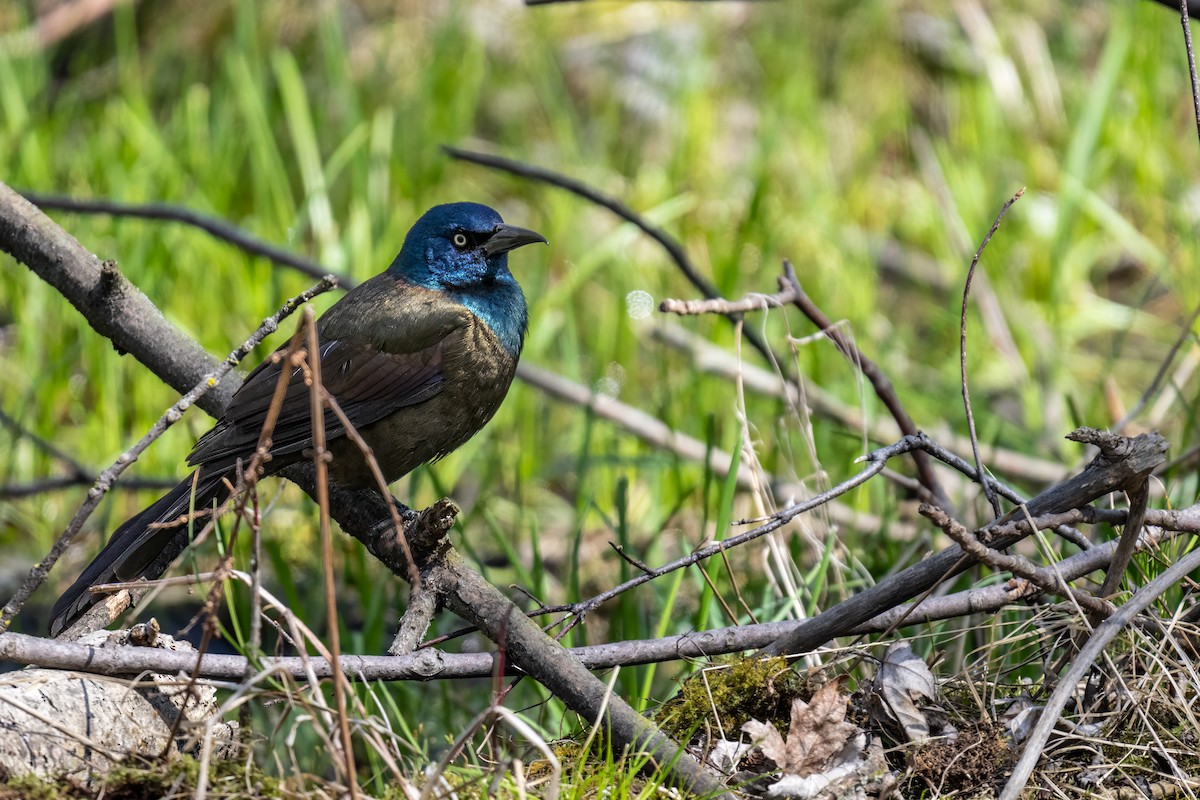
(151, 781)
(742, 690)
(27, 786)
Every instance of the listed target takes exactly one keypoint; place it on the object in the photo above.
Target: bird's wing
(368, 384)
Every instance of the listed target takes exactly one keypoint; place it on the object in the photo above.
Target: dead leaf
(817, 733)
(768, 739)
(903, 679)
(726, 754)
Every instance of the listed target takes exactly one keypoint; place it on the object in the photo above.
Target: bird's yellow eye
(460, 240)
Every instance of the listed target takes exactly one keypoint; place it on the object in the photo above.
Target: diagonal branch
(113, 306)
(119, 311)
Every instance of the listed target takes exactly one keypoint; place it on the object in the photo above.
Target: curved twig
(168, 212)
(962, 351)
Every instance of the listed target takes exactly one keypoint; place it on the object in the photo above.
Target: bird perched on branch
(418, 357)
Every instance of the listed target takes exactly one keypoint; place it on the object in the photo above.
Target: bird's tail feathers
(144, 546)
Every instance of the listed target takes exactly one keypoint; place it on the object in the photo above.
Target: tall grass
(816, 132)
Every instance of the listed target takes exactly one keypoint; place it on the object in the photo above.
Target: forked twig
(1017, 565)
(791, 292)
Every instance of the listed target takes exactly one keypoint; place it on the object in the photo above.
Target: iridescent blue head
(462, 249)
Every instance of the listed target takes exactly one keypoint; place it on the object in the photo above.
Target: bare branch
(1017, 565)
(214, 226)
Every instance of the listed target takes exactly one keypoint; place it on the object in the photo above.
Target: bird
(419, 358)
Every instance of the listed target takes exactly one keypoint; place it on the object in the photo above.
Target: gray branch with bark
(121, 313)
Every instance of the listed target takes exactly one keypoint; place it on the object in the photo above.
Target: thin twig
(255, 645)
(16, 491)
(214, 226)
(880, 382)
(104, 482)
(719, 305)
(80, 475)
(993, 501)
(321, 461)
(629, 559)
(19, 431)
(247, 481)
(1191, 57)
(1017, 565)
(876, 460)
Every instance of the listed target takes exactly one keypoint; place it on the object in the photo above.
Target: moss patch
(742, 690)
(152, 781)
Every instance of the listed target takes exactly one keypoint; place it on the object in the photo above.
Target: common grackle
(418, 357)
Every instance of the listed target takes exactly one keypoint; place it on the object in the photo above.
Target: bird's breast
(477, 373)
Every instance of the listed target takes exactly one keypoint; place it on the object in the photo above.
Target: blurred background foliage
(870, 143)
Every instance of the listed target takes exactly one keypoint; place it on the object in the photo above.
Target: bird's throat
(501, 307)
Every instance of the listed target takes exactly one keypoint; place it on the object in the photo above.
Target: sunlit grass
(752, 133)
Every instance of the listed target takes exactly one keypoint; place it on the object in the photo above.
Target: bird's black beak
(510, 237)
